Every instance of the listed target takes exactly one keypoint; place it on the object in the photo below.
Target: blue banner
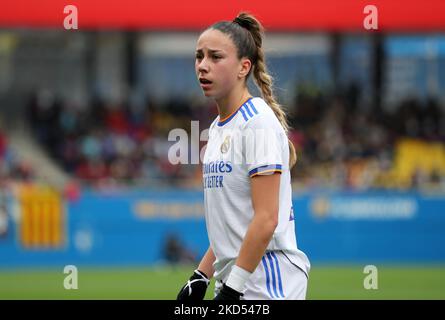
(149, 227)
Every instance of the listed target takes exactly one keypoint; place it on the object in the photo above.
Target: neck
(227, 105)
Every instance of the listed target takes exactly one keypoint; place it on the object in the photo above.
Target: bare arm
(206, 264)
(265, 201)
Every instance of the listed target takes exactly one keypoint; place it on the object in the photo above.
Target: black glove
(195, 288)
(227, 293)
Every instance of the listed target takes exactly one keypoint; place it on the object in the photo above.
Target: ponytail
(263, 79)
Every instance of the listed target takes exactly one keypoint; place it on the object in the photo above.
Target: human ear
(245, 66)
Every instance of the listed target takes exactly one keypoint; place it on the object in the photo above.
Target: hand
(227, 293)
(195, 288)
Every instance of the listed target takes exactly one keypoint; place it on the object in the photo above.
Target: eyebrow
(210, 50)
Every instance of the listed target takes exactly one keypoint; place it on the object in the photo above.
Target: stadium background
(84, 120)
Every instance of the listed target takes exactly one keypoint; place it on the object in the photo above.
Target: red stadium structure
(316, 15)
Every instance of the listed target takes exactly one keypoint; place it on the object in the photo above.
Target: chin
(208, 94)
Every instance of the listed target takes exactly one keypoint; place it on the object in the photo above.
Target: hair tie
(240, 22)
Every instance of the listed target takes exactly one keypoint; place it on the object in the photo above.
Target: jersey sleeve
(263, 146)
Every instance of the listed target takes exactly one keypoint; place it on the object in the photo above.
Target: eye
(216, 57)
(198, 56)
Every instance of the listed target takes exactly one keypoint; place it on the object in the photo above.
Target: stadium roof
(288, 15)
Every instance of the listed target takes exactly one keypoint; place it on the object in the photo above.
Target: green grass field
(326, 282)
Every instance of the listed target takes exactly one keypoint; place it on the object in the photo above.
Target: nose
(203, 66)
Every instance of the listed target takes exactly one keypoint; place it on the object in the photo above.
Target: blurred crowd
(344, 146)
(12, 168)
(339, 143)
(113, 144)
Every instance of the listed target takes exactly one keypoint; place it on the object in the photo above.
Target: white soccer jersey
(249, 142)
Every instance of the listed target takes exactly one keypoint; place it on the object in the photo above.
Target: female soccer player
(253, 252)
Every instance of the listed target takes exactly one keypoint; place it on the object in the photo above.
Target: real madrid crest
(225, 145)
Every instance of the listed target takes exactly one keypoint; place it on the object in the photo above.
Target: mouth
(205, 83)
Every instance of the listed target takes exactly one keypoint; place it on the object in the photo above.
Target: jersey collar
(233, 114)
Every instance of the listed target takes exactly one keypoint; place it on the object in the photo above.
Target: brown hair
(247, 34)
